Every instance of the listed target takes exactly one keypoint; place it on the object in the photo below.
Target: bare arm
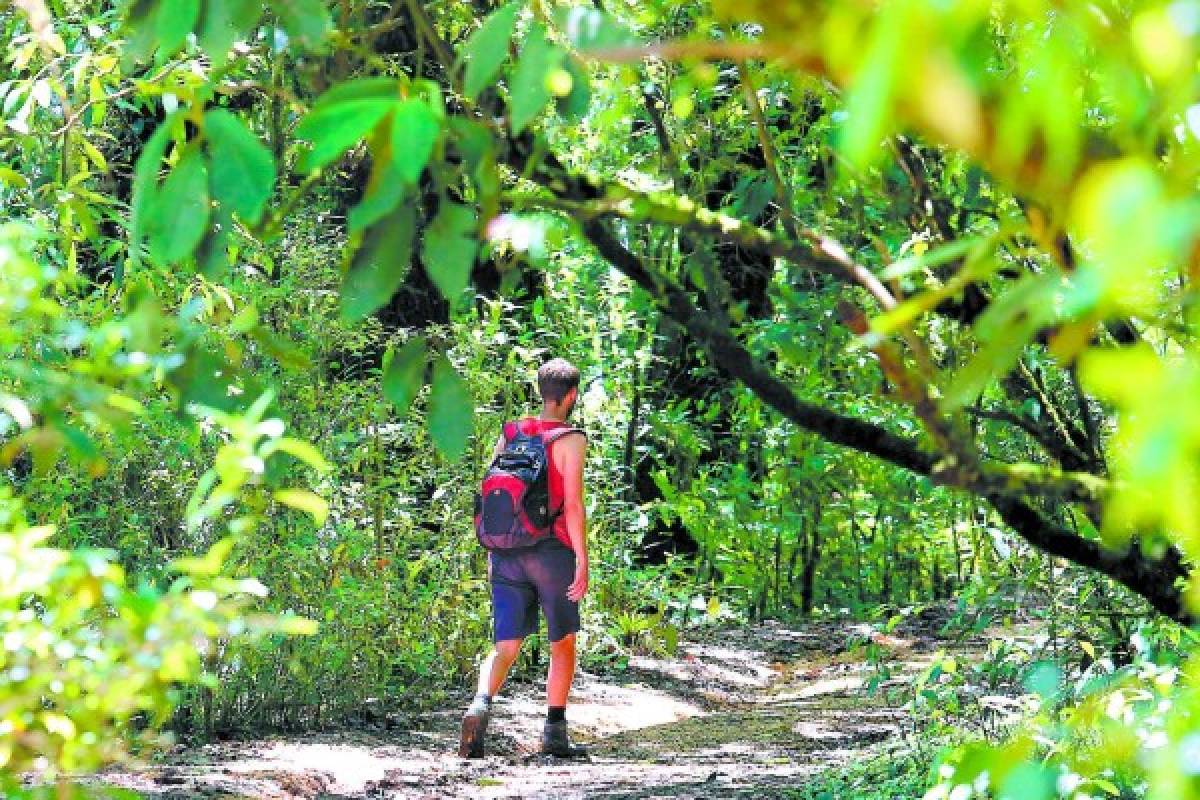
(568, 456)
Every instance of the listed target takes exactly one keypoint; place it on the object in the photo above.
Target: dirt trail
(748, 712)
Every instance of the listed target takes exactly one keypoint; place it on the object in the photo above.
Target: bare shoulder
(569, 450)
(575, 442)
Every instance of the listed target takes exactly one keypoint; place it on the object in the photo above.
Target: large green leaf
(140, 33)
(173, 22)
(487, 49)
(473, 140)
(334, 128)
(179, 217)
(243, 173)
(376, 88)
(529, 91)
(306, 21)
(414, 131)
(145, 184)
(404, 374)
(1009, 323)
(451, 410)
(384, 192)
(379, 266)
(212, 256)
(870, 97)
(222, 23)
(449, 249)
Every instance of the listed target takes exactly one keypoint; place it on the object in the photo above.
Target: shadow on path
(749, 712)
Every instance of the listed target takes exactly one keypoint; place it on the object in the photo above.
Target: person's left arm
(570, 449)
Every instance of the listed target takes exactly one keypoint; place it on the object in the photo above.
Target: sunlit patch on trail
(738, 712)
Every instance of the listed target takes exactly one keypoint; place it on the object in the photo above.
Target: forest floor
(743, 712)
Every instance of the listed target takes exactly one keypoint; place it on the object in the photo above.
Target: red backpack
(512, 508)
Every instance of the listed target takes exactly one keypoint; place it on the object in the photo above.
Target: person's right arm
(570, 451)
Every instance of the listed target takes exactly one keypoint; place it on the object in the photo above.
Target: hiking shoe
(556, 743)
(474, 726)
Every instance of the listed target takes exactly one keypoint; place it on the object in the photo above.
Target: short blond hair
(555, 378)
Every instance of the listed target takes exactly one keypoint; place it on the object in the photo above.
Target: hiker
(531, 518)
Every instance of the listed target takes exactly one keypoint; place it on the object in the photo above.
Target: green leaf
(379, 266)
(414, 131)
(204, 378)
(1044, 679)
(384, 192)
(179, 218)
(870, 95)
(222, 23)
(1028, 780)
(473, 140)
(140, 31)
(208, 564)
(1122, 273)
(174, 20)
(404, 374)
(935, 257)
(977, 267)
(212, 256)
(306, 21)
(299, 449)
(304, 500)
(1124, 376)
(296, 626)
(451, 410)
(573, 105)
(449, 249)
(243, 173)
(487, 49)
(10, 177)
(145, 184)
(359, 89)
(335, 128)
(474, 143)
(529, 91)
(1007, 326)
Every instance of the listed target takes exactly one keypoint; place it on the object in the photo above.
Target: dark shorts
(524, 579)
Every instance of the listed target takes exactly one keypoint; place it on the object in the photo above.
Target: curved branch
(732, 357)
(1155, 580)
(1158, 581)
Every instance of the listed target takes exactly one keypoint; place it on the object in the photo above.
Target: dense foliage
(877, 305)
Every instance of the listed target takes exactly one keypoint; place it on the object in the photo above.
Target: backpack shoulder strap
(558, 433)
(510, 430)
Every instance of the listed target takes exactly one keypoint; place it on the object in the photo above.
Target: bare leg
(562, 670)
(492, 673)
(495, 667)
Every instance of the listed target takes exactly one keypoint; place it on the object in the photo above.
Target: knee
(508, 649)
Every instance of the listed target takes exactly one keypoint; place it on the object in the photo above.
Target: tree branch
(731, 357)
(1154, 580)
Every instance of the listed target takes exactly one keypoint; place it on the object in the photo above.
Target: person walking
(534, 560)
